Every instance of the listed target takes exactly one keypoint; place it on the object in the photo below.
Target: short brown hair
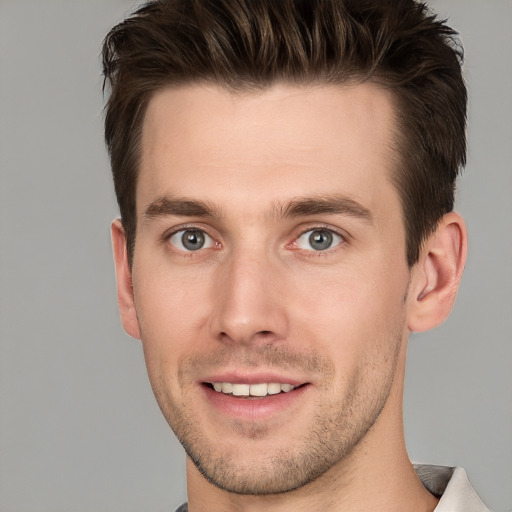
(252, 44)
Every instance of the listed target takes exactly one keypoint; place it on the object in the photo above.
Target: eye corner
(292, 246)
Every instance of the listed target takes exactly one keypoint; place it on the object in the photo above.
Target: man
(285, 174)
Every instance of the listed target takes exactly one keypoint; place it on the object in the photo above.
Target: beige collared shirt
(452, 486)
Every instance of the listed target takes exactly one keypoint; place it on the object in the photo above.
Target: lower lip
(254, 408)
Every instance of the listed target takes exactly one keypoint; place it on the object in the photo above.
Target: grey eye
(318, 240)
(191, 240)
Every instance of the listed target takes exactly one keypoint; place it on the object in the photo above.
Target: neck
(377, 475)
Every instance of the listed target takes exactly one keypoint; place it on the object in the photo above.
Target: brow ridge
(296, 207)
(319, 205)
(182, 207)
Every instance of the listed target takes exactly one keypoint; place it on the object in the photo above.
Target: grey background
(79, 428)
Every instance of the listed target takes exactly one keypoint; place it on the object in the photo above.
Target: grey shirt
(451, 485)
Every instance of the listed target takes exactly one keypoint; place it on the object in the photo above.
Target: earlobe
(125, 298)
(436, 276)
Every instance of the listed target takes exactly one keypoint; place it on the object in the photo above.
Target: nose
(249, 301)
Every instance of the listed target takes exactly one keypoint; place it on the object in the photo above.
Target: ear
(125, 298)
(435, 277)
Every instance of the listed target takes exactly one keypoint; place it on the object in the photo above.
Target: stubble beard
(336, 429)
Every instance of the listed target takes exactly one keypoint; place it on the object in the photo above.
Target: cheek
(172, 309)
(352, 313)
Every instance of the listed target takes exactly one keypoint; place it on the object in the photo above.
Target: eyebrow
(181, 207)
(321, 205)
(297, 207)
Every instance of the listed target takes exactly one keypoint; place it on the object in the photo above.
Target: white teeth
(257, 390)
(227, 387)
(241, 389)
(274, 388)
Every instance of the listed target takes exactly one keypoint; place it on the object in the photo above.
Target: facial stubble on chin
(335, 430)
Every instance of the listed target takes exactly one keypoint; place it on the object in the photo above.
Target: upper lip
(238, 377)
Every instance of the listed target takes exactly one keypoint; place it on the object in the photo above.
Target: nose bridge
(247, 299)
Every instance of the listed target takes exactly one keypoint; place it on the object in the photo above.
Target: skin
(259, 302)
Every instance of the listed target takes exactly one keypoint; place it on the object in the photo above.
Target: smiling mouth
(259, 390)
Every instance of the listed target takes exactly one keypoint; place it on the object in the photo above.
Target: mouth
(254, 398)
(251, 391)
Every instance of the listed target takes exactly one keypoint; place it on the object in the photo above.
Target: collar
(453, 488)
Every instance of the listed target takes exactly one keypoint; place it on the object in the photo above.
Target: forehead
(282, 142)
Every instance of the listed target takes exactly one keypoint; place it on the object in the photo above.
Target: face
(269, 277)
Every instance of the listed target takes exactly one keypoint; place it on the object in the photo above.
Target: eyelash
(166, 238)
(292, 245)
(342, 240)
